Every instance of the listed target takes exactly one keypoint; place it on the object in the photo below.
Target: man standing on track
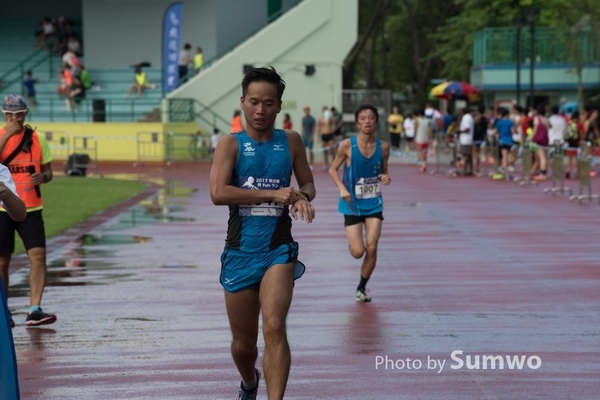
(27, 155)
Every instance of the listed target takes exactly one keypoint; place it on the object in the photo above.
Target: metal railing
(15, 75)
(189, 110)
(93, 110)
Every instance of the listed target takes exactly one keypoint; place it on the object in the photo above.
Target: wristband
(44, 177)
(307, 196)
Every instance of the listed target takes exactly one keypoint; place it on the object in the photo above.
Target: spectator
(325, 128)
(308, 134)
(395, 125)
(237, 125)
(73, 45)
(66, 80)
(86, 79)
(214, 140)
(287, 121)
(184, 61)
(76, 93)
(198, 60)
(338, 122)
(505, 129)
(423, 133)
(573, 134)
(140, 83)
(408, 126)
(465, 138)
(29, 85)
(71, 59)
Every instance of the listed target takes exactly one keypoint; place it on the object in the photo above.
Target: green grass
(71, 200)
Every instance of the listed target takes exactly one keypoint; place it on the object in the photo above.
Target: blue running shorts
(241, 270)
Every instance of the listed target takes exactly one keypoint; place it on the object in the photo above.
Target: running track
(482, 266)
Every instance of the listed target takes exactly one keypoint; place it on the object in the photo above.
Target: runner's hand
(385, 179)
(303, 209)
(285, 195)
(345, 195)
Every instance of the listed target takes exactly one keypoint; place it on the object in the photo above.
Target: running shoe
(362, 296)
(38, 317)
(244, 395)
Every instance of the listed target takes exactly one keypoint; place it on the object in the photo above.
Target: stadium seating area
(107, 98)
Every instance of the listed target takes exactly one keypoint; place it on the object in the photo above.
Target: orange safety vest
(19, 167)
(236, 124)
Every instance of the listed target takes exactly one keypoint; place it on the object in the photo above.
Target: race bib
(264, 209)
(367, 188)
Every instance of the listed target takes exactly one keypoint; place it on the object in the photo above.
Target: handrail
(212, 112)
(20, 67)
(132, 110)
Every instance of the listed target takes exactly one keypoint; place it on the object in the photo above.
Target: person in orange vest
(237, 125)
(27, 156)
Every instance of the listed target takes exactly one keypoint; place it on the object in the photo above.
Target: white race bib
(264, 209)
(367, 188)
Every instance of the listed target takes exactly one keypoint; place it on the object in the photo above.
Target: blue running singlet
(361, 179)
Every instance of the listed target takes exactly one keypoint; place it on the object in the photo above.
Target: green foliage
(71, 200)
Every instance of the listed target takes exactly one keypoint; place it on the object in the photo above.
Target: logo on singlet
(277, 147)
(248, 149)
(249, 184)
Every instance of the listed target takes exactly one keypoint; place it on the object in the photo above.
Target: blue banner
(171, 46)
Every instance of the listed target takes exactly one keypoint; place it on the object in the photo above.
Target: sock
(250, 386)
(34, 308)
(363, 283)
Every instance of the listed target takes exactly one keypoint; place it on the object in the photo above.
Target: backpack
(572, 132)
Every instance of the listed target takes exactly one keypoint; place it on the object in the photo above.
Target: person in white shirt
(423, 135)
(465, 138)
(9, 200)
(558, 126)
(409, 131)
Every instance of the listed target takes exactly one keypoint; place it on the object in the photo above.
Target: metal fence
(552, 45)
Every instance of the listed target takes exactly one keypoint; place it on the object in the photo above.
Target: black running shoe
(38, 317)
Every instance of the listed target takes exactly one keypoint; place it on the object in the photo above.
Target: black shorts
(506, 147)
(31, 231)
(327, 137)
(355, 219)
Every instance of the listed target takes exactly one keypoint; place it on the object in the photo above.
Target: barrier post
(584, 167)
(439, 149)
(525, 178)
(558, 171)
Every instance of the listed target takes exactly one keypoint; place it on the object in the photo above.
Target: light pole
(531, 14)
(518, 21)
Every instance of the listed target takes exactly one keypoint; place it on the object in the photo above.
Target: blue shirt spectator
(504, 127)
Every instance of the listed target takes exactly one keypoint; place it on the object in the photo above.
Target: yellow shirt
(395, 123)
(198, 61)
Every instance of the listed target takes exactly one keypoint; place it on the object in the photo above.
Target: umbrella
(453, 90)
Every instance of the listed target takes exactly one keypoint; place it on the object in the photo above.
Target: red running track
(473, 265)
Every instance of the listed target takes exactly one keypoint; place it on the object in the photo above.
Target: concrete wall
(317, 32)
(121, 33)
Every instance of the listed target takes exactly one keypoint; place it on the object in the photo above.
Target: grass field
(71, 200)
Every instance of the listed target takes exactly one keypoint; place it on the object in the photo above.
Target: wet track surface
(484, 267)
